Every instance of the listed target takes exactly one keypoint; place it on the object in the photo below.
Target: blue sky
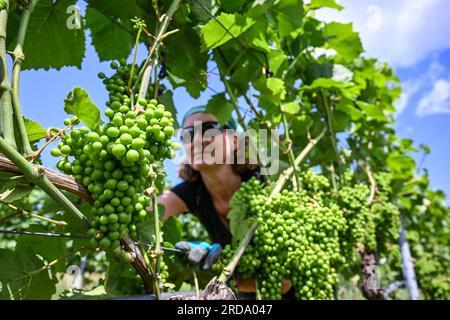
(411, 35)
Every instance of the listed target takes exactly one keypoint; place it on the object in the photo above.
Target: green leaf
(224, 28)
(147, 227)
(187, 69)
(201, 9)
(219, 106)
(291, 107)
(372, 111)
(49, 42)
(290, 18)
(347, 106)
(340, 121)
(111, 40)
(21, 276)
(79, 104)
(172, 229)
(35, 131)
(317, 4)
(276, 87)
(344, 40)
(232, 6)
(96, 293)
(316, 70)
(122, 280)
(14, 190)
(400, 165)
(49, 248)
(348, 90)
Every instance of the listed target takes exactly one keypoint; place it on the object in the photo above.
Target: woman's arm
(173, 205)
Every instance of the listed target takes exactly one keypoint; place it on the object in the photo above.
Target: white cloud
(437, 101)
(401, 32)
(424, 82)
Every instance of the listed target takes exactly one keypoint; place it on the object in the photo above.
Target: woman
(208, 187)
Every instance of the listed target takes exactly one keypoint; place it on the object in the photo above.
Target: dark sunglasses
(187, 134)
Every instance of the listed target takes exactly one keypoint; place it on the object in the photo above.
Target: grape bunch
(306, 236)
(115, 160)
(248, 264)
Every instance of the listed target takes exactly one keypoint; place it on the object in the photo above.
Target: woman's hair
(187, 173)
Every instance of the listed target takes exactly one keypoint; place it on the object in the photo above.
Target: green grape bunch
(114, 160)
(308, 236)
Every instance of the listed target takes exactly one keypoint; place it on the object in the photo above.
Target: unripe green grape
(104, 243)
(135, 132)
(112, 132)
(119, 151)
(55, 152)
(65, 149)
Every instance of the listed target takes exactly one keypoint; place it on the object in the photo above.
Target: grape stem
(373, 184)
(147, 68)
(37, 176)
(326, 106)
(287, 173)
(290, 151)
(36, 154)
(133, 64)
(19, 57)
(6, 115)
(20, 211)
(229, 269)
(158, 251)
(197, 289)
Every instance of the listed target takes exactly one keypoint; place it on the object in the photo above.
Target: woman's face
(210, 149)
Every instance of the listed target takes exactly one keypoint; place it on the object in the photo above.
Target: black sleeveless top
(199, 202)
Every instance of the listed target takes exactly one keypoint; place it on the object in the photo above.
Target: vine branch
(37, 176)
(60, 180)
(6, 115)
(19, 57)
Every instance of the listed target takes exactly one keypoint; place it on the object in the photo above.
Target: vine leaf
(197, 8)
(121, 279)
(291, 107)
(272, 90)
(79, 104)
(48, 248)
(147, 227)
(35, 131)
(14, 190)
(172, 229)
(344, 40)
(317, 4)
(110, 40)
(21, 278)
(214, 34)
(187, 69)
(347, 106)
(348, 89)
(219, 106)
(372, 111)
(50, 41)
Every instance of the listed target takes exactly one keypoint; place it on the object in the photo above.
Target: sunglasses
(188, 133)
